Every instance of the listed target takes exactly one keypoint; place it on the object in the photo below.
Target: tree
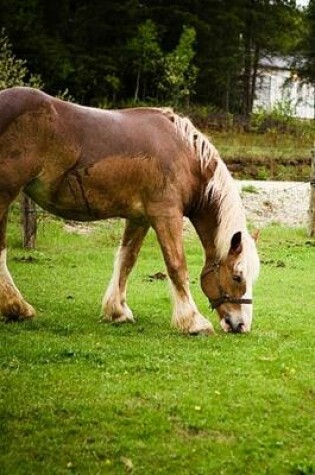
(180, 73)
(146, 55)
(219, 56)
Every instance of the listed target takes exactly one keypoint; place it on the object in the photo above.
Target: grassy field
(79, 397)
(266, 156)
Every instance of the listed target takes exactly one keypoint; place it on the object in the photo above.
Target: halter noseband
(227, 299)
(224, 298)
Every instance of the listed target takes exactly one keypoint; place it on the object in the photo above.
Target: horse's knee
(177, 272)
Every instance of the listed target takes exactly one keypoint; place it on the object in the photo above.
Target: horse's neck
(205, 224)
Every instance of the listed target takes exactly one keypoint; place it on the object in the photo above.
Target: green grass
(249, 189)
(271, 155)
(270, 145)
(79, 397)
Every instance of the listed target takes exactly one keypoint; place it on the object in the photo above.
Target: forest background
(158, 52)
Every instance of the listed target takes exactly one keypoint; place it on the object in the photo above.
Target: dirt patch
(268, 202)
(269, 169)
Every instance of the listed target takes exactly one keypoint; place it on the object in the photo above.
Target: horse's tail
(221, 186)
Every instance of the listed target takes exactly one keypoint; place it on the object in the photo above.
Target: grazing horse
(147, 165)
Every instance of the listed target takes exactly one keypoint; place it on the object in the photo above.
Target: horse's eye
(237, 278)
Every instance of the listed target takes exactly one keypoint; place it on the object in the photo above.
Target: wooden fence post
(29, 221)
(312, 196)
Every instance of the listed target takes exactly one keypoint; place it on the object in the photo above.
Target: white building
(278, 83)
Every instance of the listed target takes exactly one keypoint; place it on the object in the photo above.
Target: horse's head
(228, 283)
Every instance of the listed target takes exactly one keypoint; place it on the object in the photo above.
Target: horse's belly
(75, 198)
(38, 191)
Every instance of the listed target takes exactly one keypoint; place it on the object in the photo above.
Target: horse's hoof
(117, 314)
(18, 312)
(204, 330)
(117, 319)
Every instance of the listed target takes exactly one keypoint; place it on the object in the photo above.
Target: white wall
(277, 86)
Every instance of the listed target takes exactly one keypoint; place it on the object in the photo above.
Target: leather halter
(227, 299)
(224, 298)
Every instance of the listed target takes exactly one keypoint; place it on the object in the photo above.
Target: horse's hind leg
(12, 304)
(114, 306)
(186, 316)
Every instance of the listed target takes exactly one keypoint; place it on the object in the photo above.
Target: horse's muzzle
(234, 326)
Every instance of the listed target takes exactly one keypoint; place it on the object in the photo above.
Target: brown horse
(147, 165)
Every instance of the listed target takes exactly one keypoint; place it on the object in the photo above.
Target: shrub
(13, 71)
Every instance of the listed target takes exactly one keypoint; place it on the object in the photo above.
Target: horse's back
(98, 132)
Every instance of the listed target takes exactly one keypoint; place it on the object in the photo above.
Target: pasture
(87, 398)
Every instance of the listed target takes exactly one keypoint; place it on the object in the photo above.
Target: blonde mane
(221, 186)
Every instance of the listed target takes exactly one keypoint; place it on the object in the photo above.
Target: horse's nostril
(229, 324)
(228, 321)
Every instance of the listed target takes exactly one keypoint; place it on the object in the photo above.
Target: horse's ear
(256, 235)
(236, 243)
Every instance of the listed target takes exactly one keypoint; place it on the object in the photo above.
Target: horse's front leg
(114, 306)
(12, 304)
(186, 316)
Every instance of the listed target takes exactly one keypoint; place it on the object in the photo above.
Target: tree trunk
(136, 95)
(226, 106)
(29, 222)
(248, 60)
(254, 76)
(247, 82)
